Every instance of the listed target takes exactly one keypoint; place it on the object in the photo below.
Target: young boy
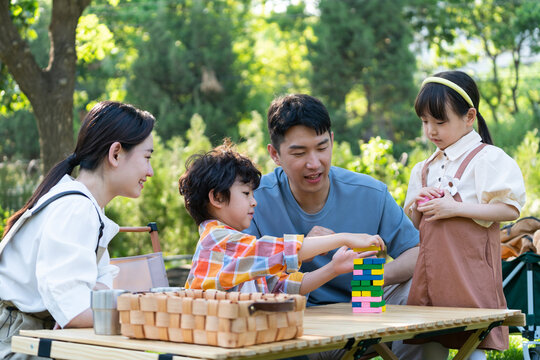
(218, 193)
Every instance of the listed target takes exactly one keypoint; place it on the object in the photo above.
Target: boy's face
(238, 213)
(306, 159)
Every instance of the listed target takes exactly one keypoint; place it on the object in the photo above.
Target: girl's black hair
(107, 123)
(433, 97)
(217, 170)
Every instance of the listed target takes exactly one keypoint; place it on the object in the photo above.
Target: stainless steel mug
(106, 318)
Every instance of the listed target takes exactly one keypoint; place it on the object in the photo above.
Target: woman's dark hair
(107, 123)
(296, 109)
(217, 170)
(433, 97)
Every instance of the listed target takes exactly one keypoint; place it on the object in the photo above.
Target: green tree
(186, 65)
(466, 31)
(50, 89)
(358, 50)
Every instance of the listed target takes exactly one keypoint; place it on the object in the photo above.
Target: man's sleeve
(396, 229)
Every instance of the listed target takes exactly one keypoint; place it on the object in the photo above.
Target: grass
(514, 351)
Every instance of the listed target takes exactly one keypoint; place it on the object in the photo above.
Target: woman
(53, 258)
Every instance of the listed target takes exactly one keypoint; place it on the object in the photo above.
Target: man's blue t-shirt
(356, 203)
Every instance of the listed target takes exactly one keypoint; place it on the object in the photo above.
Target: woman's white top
(50, 263)
(491, 177)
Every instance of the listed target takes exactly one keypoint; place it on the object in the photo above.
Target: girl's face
(444, 133)
(238, 212)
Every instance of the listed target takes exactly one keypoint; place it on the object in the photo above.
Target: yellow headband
(451, 85)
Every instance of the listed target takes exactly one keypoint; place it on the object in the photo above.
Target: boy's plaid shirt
(225, 259)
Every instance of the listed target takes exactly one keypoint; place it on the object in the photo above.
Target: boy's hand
(342, 261)
(358, 241)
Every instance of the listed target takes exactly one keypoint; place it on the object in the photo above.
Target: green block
(368, 266)
(377, 304)
(367, 288)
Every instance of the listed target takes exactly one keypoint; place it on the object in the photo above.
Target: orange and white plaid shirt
(227, 259)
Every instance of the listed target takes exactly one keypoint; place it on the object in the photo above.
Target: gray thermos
(103, 303)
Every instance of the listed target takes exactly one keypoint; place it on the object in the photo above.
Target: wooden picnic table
(326, 327)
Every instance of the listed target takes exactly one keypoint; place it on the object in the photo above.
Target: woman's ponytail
(52, 178)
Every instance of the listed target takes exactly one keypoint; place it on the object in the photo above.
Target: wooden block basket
(226, 319)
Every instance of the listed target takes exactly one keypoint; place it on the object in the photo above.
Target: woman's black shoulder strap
(71, 192)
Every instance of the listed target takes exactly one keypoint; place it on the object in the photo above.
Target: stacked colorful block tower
(367, 284)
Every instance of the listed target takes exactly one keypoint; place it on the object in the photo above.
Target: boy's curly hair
(217, 169)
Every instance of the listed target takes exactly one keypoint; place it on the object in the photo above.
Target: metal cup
(106, 318)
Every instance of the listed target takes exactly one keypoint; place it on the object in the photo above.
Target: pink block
(366, 310)
(358, 272)
(366, 298)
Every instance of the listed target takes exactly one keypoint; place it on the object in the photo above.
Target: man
(306, 195)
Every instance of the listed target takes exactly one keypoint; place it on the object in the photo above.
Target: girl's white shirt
(51, 264)
(491, 177)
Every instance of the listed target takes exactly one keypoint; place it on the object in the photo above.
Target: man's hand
(319, 231)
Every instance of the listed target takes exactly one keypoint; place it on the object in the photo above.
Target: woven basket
(226, 319)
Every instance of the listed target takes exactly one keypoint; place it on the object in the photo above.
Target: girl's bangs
(431, 101)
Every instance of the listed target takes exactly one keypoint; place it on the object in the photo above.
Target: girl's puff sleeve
(498, 179)
(414, 187)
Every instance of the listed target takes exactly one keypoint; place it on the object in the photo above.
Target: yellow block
(377, 271)
(378, 282)
(369, 248)
(364, 293)
(358, 261)
(358, 293)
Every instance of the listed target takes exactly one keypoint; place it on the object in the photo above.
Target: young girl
(456, 198)
(52, 258)
(218, 193)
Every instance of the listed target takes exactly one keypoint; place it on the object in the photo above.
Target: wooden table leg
(384, 351)
(373, 344)
(474, 340)
(470, 345)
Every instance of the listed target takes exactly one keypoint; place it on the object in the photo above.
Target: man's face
(306, 159)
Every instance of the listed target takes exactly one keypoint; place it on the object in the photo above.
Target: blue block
(367, 277)
(374, 261)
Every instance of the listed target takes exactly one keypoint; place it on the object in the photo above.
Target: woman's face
(133, 168)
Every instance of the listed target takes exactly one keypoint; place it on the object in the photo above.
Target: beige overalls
(459, 265)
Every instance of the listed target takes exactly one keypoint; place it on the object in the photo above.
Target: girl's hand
(426, 194)
(440, 208)
(342, 261)
(364, 240)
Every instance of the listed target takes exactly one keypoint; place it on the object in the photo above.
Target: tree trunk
(49, 90)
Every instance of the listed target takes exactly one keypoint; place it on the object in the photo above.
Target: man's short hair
(296, 109)
(218, 170)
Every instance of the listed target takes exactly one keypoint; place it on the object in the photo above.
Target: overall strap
(464, 164)
(425, 169)
(467, 160)
(31, 212)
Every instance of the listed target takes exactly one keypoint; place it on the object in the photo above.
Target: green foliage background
(209, 69)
